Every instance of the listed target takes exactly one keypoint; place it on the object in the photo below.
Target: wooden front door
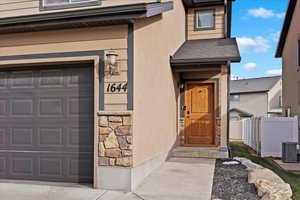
(199, 114)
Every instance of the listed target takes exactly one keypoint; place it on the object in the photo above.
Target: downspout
(226, 19)
(228, 77)
(228, 107)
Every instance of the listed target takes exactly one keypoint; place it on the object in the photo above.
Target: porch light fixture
(112, 63)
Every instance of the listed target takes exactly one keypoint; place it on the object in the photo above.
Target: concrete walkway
(177, 179)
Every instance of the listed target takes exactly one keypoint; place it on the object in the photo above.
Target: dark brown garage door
(46, 123)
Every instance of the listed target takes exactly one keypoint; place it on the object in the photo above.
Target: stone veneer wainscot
(115, 139)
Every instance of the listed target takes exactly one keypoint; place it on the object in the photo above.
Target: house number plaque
(117, 87)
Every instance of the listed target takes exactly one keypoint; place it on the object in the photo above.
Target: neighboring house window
(205, 19)
(235, 97)
(63, 4)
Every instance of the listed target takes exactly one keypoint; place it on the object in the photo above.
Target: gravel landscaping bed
(231, 183)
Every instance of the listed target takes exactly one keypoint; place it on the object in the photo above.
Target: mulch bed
(231, 183)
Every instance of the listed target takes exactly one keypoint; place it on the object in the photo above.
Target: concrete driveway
(177, 179)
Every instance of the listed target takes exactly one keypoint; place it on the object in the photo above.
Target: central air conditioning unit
(290, 152)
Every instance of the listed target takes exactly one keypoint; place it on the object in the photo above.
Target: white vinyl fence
(266, 135)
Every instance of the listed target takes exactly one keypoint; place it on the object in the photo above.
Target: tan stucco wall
(154, 119)
(274, 95)
(85, 39)
(11, 8)
(219, 30)
(291, 73)
(253, 103)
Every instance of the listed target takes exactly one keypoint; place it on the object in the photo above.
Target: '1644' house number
(117, 87)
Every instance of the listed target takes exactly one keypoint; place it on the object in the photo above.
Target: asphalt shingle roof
(253, 85)
(208, 50)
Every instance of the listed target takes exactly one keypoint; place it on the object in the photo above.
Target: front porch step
(199, 152)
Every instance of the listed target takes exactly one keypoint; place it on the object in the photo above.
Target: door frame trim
(214, 83)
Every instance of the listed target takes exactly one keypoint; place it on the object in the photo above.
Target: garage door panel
(22, 136)
(22, 107)
(22, 166)
(46, 124)
(48, 106)
(80, 137)
(21, 79)
(79, 78)
(51, 79)
(3, 80)
(47, 138)
(3, 107)
(50, 137)
(3, 167)
(80, 165)
(51, 166)
(77, 106)
(2, 136)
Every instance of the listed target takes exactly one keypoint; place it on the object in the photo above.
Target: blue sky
(257, 25)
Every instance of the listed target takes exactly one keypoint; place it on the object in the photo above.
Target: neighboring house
(100, 91)
(255, 97)
(289, 50)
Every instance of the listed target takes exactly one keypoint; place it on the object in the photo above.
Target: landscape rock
(249, 164)
(263, 174)
(269, 190)
(268, 184)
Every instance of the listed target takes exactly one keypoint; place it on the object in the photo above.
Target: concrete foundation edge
(128, 179)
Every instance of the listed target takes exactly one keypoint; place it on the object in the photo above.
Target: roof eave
(241, 112)
(250, 92)
(175, 61)
(113, 14)
(285, 28)
(191, 3)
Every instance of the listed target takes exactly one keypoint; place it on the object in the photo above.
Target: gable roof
(206, 51)
(242, 113)
(286, 27)
(253, 85)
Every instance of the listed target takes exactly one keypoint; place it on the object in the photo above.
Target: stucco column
(224, 106)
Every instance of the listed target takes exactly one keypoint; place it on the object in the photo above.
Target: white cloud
(258, 44)
(274, 72)
(250, 66)
(265, 13)
(275, 36)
